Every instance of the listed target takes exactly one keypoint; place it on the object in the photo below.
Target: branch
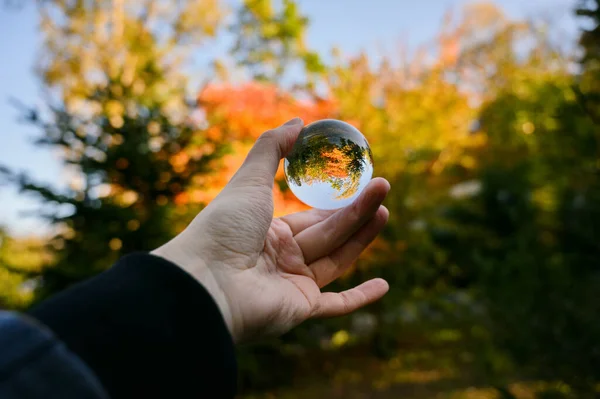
(17, 270)
(25, 183)
(27, 113)
(583, 102)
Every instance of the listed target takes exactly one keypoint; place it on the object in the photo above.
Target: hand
(266, 274)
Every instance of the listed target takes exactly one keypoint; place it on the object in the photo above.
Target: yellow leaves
(528, 127)
(174, 109)
(11, 293)
(545, 198)
(28, 254)
(67, 233)
(114, 110)
(97, 43)
(199, 18)
(261, 8)
(270, 29)
(133, 224)
(115, 244)
(468, 162)
(116, 121)
(447, 335)
(153, 128)
(161, 90)
(129, 70)
(476, 141)
(116, 139)
(129, 197)
(452, 151)
(138, 87)
(340, 338)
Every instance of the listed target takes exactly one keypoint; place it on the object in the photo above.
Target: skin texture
(266, 274)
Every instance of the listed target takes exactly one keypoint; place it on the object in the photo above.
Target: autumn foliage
(488, 135)
(242, 113)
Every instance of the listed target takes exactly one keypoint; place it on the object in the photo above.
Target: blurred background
(121, 119)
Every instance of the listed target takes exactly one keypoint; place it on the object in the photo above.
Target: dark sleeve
(35, 364)
(147, 329)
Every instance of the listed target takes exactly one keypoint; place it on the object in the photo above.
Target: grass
(442, 372)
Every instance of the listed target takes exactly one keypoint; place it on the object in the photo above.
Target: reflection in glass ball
(329, 165)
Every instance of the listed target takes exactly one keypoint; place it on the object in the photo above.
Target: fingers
(333, 266)
(322, 238)
(331, 304)
(301, 220)
(261, 164)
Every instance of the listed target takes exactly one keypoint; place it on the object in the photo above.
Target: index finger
(262, 161)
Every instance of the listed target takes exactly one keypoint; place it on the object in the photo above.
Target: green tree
(270, 41)
(526, 240)
(590, 37)
(21, 260)
(589, 85)
(118, 114)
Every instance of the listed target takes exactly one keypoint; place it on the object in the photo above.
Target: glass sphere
(329, 165)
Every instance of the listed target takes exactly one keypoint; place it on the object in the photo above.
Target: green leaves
(270, 41)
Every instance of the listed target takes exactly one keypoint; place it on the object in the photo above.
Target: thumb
(261, 164)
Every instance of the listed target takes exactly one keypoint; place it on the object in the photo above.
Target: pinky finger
(332, 304)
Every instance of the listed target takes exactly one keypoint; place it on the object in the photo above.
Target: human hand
(266, 274)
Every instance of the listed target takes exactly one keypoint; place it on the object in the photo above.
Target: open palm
(266, 274)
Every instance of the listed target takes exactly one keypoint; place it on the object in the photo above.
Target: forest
(490, 139)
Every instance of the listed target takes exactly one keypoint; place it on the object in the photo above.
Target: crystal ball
(330, 164)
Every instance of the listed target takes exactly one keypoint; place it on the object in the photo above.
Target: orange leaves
(337, 164)
(179, 161)
(181, 198)
(244, 112)
(286, 203)
(449, 50)
(239, 114)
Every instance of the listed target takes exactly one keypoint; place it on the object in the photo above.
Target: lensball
(329, 165)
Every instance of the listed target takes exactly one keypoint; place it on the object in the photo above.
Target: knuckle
(268, 136)
(346, 302)
(259, 182)
(271, 139)
(355, 209)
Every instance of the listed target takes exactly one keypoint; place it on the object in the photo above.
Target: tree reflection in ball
(329, 165)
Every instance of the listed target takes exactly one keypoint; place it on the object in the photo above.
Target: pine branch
(584, 103)
(26, 184)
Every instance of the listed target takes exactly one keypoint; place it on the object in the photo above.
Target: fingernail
(294, 121)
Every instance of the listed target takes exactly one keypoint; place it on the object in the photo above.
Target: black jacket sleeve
(147, 329)
(35, 364)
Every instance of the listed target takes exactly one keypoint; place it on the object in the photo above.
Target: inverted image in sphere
(329, 165)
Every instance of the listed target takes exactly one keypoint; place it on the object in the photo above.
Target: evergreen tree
(117, 113)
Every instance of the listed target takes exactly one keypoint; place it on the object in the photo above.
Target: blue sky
(376, 26)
